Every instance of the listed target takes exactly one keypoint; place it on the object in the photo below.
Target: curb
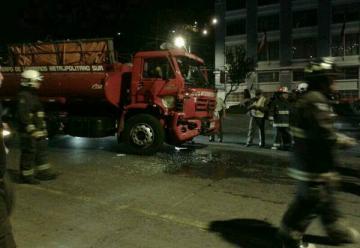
(280, 158)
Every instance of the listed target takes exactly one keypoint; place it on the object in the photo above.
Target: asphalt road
(213, 196)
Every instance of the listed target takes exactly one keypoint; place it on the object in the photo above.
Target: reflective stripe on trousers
(43, 167)
(27, 173)
(281, 125)
(283, 112)
(312, 177)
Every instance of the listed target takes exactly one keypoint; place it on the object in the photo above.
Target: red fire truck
(162, 96)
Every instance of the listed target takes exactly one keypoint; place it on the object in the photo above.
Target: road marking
(165, 217)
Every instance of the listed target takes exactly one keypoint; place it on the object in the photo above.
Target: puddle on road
(217, 165)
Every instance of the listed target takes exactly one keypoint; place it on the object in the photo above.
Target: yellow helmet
(31, 78)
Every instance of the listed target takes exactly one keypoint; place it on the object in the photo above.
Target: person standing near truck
(34, 164)
(279, 114)
(220, 111)
(6, 193)
(257, 121)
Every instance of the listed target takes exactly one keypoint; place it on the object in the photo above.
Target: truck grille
(205, 104)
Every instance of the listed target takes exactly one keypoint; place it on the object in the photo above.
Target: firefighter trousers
(33, 155)
(311, 200)
(282, 137)
(254, 124)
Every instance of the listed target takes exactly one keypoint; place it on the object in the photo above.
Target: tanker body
(161, 97)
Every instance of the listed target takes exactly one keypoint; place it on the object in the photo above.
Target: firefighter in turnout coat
(314, 162)
(32, 129)
(279, 114)
(6, 193)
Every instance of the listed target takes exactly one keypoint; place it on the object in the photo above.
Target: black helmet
(319, 73)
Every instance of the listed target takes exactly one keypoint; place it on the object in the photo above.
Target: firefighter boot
(46, 175)
(29, 180)
(340, 234)
(291, 243)
(45, 172)
(287, 241)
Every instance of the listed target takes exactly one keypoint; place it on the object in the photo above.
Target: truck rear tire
(143, 134)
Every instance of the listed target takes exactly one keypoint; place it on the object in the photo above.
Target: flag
(262, 44)
(342, 34)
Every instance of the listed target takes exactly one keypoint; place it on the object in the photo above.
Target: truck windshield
(191, 71)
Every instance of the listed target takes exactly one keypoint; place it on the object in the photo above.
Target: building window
(271, 76)
(348, 13)
(235, 4)
(351, 42)
(270, 51)
(298, 75)
(304, 48)
(268, 23)
(157, 68)
(305, 18)
(236, 27)
(233, 49)
(267, 2)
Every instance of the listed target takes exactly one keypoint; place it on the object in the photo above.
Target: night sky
(143, 24)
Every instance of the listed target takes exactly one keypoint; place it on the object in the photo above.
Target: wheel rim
(142, 135)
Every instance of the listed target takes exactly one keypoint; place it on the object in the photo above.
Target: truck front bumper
(186, 129)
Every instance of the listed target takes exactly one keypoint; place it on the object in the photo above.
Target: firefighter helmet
(302, 87)
(319, 74)
(31, 78)
(320, 67)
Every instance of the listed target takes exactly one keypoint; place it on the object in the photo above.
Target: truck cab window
(157, 68)
(192, 72)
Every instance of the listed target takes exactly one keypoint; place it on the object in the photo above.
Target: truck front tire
(143, 134)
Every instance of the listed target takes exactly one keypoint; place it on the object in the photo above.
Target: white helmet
(302, 87)
(31, 78)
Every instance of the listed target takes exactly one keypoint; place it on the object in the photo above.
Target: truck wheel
(143, 134)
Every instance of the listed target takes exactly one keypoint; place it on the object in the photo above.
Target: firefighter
(6, 194)
(34, 165)
(279, 114)
(314, 161)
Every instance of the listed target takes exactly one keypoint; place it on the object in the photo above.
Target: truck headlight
(168, 101)
(6, 133)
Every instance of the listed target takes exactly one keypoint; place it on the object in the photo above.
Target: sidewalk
(235, 134)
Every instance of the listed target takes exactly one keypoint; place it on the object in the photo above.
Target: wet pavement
(209, 195)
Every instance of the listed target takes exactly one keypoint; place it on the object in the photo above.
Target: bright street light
(214, 21)
(179, 42)
(205, 32)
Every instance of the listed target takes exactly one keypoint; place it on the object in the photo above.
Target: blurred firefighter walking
(314, 161)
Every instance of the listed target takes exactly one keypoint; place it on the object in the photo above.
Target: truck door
(158, 78)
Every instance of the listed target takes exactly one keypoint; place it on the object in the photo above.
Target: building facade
(283, 35)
